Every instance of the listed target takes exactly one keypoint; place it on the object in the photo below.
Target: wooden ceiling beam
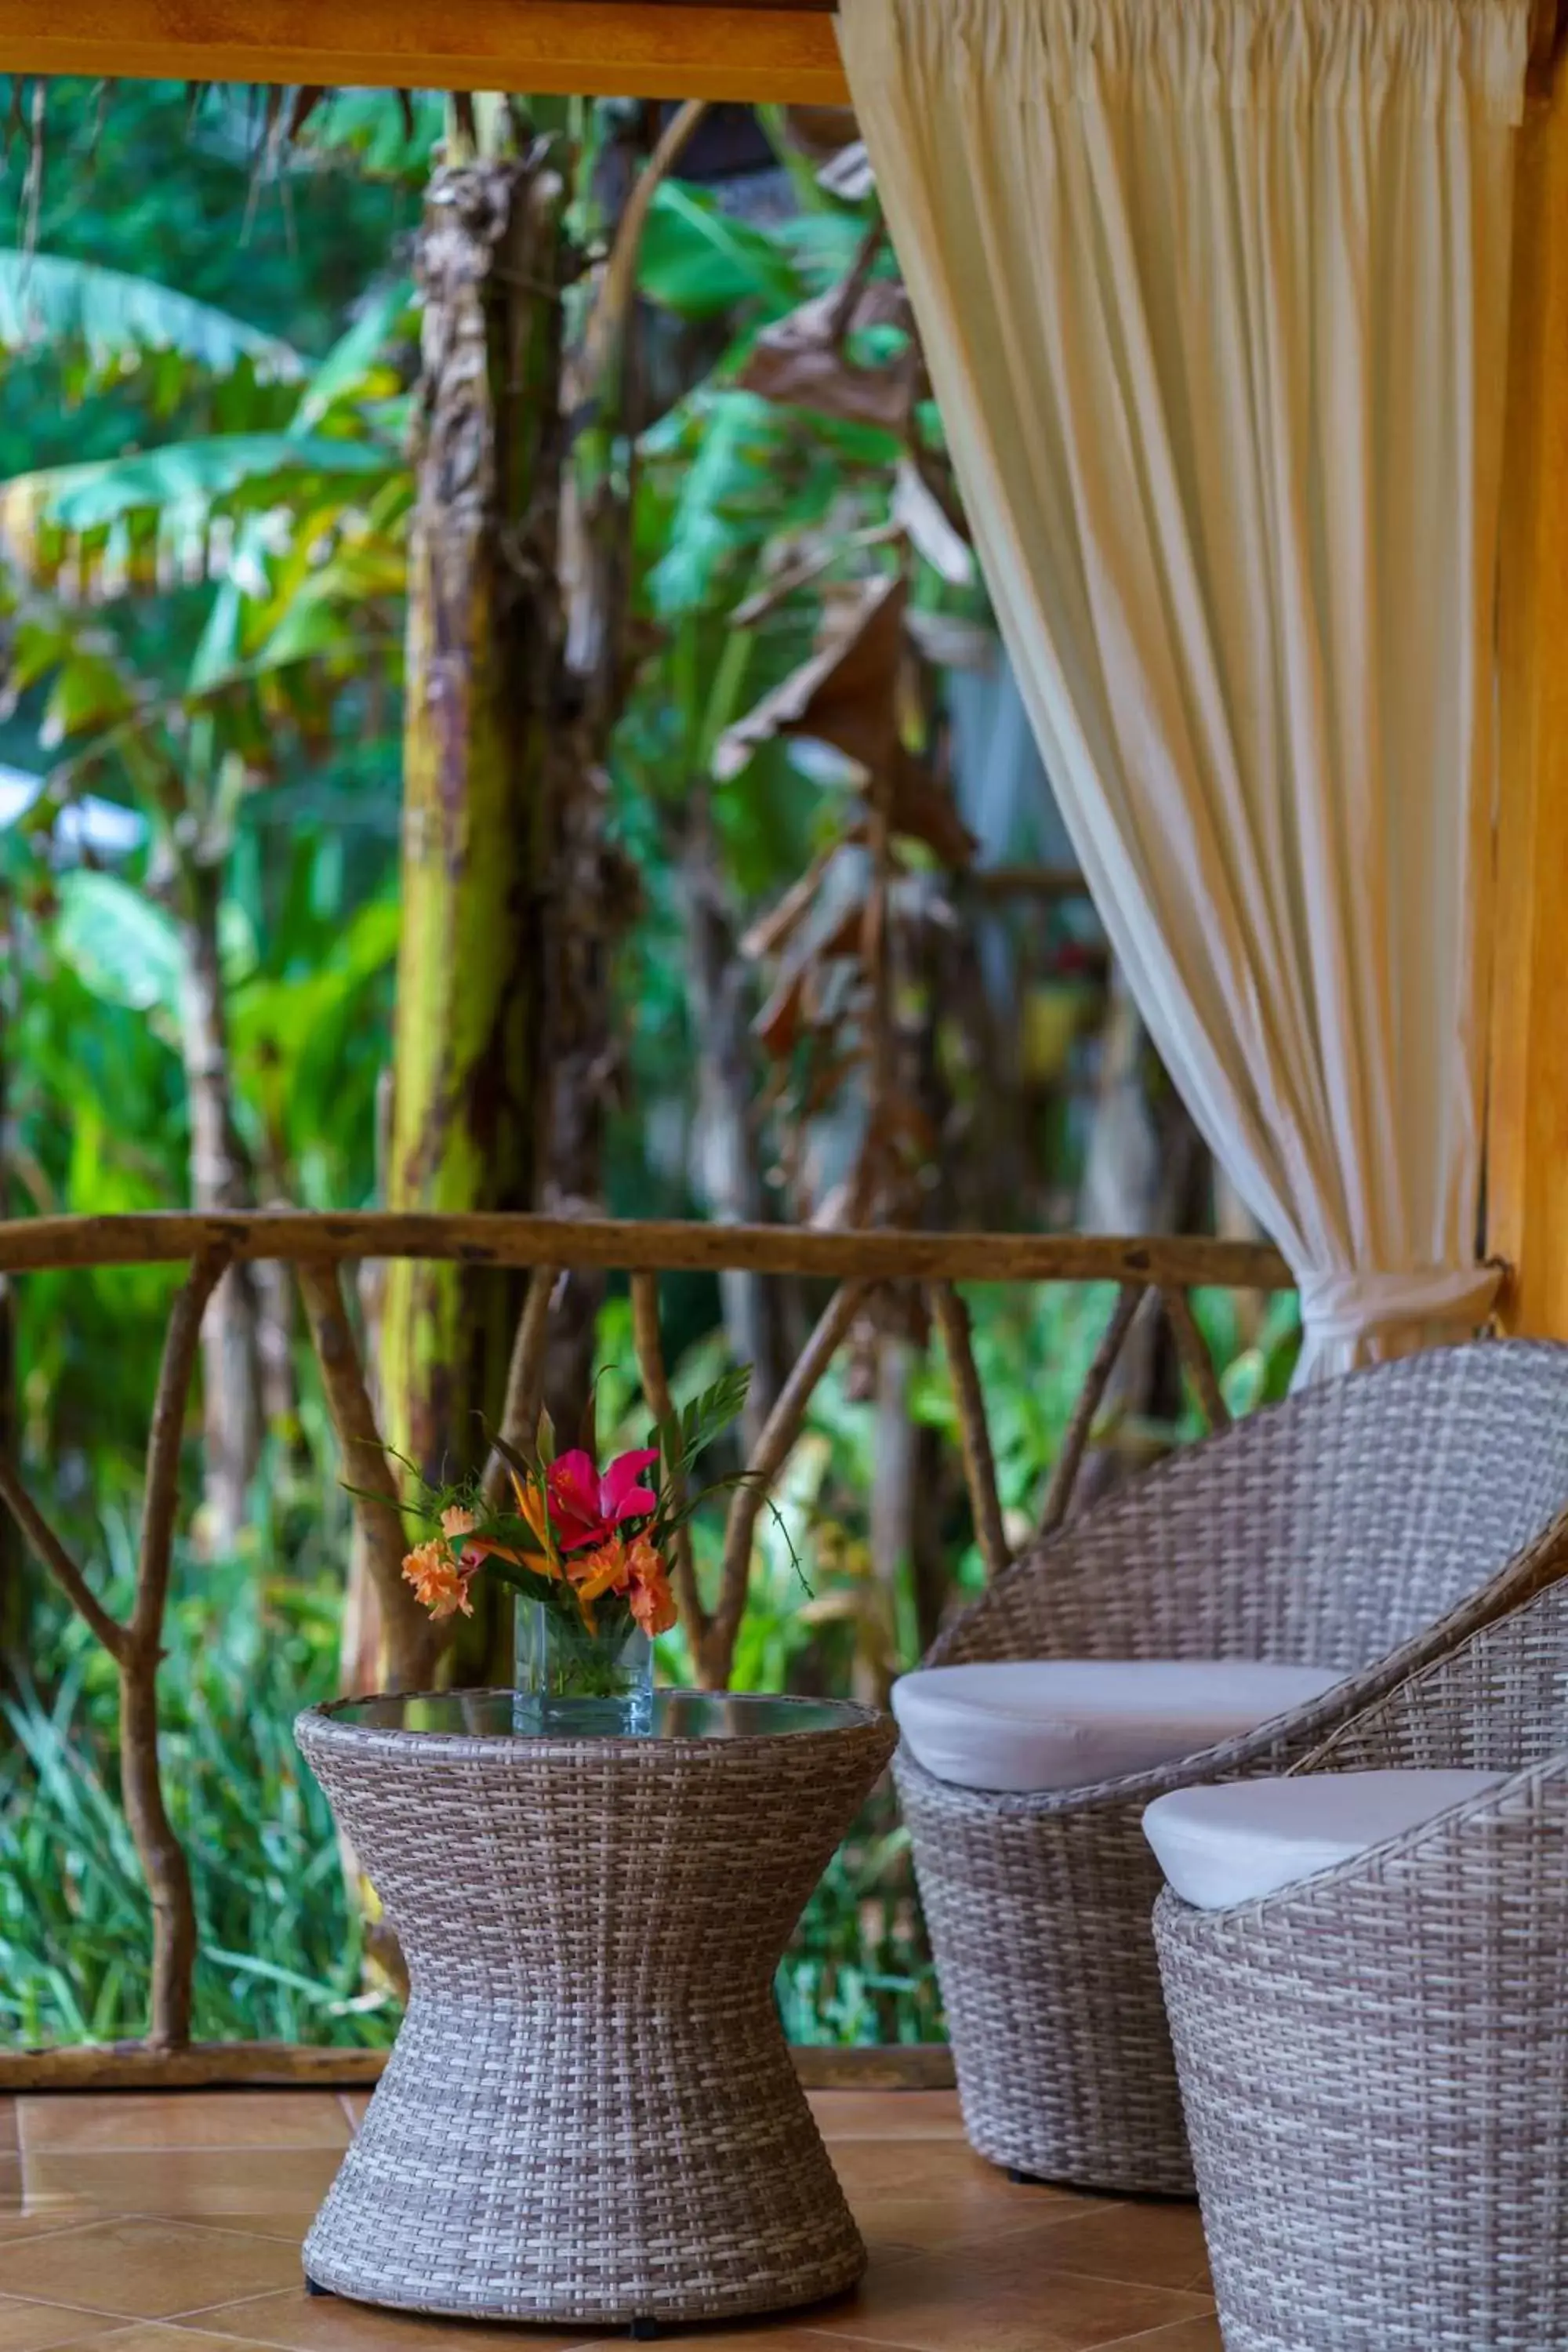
(633, 48)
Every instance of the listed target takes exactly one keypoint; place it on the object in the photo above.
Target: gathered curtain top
(1439, 55)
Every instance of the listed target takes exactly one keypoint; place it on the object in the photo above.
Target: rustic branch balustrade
(317, 1244)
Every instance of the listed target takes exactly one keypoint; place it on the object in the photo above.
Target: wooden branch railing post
(975, 1432)
(779, 1433)
(163, 1856)
(1080, 1423)
(524, 1398)
(412, 1644)
(137, 1649)
(1194, 1350)
(649, 1347)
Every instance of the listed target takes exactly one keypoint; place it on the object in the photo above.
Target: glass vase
(571, 1681)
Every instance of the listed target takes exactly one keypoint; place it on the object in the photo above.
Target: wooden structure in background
(744, 49)
(859, 1265)
(1527, 1138)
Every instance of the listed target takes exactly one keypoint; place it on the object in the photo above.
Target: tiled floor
(171, 2223)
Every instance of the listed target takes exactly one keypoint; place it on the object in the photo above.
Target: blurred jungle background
(499, 711)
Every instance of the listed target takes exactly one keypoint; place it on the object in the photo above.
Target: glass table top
(676, 1715)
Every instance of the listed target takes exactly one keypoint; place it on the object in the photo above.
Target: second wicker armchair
(1366, 1526)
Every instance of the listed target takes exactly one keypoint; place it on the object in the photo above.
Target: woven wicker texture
(1370, 1524)
(591, 2114)
(1375, 2060)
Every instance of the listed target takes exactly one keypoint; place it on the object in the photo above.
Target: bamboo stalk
(163, 1857)
(654, 1382)
(665, 1246)
(779, 1433)
(979, 1460)
(411, 1642)
(1194, 1350)
(1069, 1461)
(524, 1380)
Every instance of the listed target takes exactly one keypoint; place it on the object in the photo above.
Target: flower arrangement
(588, 1547)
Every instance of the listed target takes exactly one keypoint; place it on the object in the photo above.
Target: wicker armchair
(1374, 2060)
(1367, 1525)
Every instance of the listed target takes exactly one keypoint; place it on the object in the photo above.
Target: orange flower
(605, 1570)
(651, 1600)
(534, 1511)
(441, 1582)
(455, 1521)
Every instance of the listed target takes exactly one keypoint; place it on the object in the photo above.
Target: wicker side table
(591, 2116)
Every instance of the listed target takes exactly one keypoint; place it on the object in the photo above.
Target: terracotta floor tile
(1187, 2335)
(753, 2335)
(1157, 2244)
(288, 2228)
(112, 2120)
(144, 2269)
(21, 2215)
(887, 2114)
(1004, 2296)
(38, 2326)
(325, 2323)
(153, 2336)
(187, 2183)
(930, 2193)
(963, 2260)
(22, 2222)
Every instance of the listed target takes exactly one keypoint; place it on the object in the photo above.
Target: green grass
(279, 1952)
(280, 1942)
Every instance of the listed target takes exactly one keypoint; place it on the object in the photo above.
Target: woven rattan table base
(591, 2116)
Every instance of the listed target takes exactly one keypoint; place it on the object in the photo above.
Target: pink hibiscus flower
(587, 1506)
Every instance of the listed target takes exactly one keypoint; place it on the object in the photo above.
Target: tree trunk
(482, 646)
(220, 1180)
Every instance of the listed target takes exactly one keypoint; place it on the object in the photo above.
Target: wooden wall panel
(1527, 1162)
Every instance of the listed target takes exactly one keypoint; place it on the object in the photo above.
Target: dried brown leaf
(846, 694)
(778, 1025)
(923, 807)
(801, 360)
(771, 931)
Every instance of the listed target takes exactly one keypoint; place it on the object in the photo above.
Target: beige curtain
(1213, 298)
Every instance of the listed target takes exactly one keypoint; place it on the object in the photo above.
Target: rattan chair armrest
(1498, 1702)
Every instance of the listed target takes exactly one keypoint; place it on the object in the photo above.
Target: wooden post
(1527, 1138)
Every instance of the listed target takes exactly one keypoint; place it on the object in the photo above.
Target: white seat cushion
(1026, 1725)
(1232, 1843)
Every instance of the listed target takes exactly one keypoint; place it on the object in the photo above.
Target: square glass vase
(570, 1681)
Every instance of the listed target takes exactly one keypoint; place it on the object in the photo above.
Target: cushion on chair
(1026, 1725)
(1232, 1843)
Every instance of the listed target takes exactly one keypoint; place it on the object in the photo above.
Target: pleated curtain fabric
(1214, 297)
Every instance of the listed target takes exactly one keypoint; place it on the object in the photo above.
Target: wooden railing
(1146, 1271)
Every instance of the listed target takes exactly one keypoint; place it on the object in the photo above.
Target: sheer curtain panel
(1214, 298)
